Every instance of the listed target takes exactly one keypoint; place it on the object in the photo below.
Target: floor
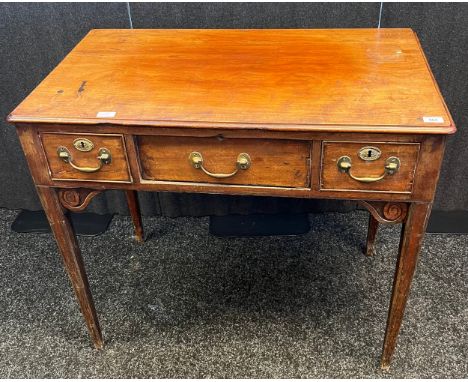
(186, 304)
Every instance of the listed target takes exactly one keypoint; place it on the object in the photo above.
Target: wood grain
(134, 208)
(71, 255)
(116, 171)
(35, 156)
(410, 245)
(242, 132)
(76, 200)
(373, 227)
(425, 180)
(401, 181)
(431, 155)
(294, 100)
(386, 212)
(278, 163)
(334, 80)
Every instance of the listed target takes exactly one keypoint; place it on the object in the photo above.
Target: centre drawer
(236, 161)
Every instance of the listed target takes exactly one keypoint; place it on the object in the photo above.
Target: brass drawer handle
(243, 163)
(392, 165)
(104, 157)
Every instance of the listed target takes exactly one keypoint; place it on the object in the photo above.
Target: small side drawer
(368, 166)
(230, 161)
(86, 157)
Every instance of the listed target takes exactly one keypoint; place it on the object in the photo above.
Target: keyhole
(83, 145)
(369, 153)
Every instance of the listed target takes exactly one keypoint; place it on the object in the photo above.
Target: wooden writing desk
(344, 114)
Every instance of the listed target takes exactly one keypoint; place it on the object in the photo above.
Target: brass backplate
(369, 153)
(83, 144)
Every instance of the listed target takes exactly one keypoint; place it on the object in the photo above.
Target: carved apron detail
(76, 199)
(387, 212)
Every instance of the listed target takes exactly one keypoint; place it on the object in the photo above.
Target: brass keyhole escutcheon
(83, 144)
(369, 153)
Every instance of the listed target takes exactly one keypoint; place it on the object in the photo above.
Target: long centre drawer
(236, 161)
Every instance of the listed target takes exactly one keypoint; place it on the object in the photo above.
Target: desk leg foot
(71, 255)
(134, 208)
(385, 367)
(371, 235)
(410, 244)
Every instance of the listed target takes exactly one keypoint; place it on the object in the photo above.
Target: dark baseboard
(448, 222)
(454, 222)
(259, 225)
(90, 224)
(85, 223)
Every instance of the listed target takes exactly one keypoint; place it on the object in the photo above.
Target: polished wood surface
(410, 244)
(371, 235)
(73, 262)
(134, 208)
(76, 199)
(294, 100)
(368, 80)
(116, 171)
(279, 163)
(401, 181)
(425, 178)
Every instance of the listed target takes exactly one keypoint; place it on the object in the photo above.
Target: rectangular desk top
(347, 80)
(192, 110)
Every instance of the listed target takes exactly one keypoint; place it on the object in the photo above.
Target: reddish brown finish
(371, 235)
(116, 171)
(402, 181)
(296, 100)
(411, 241)
(430, 159)
(76, 199)
(277, 163)
(386, 212)
(246, 132)
(68, 246)
(315, 164)
(32, 148)
(431, 154)
(355, 80)
(134, 208)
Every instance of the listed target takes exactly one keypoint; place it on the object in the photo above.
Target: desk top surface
(348, 80)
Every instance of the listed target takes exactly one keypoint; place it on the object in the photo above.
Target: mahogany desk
(343, 114)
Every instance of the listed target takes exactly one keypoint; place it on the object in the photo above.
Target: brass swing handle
(392, 165)
(243, 163)
(104, 157)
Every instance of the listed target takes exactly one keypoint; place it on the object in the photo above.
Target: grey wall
(34, 38)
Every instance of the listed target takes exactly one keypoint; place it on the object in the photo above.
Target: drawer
(368, 166)
(236, 161)
(86, 157)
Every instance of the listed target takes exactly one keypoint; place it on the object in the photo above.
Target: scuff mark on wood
(82, 87)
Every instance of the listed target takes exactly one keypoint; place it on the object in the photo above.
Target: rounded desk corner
(10, 118)
(452, 129)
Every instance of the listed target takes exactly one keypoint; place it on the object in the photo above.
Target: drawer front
(86, 157)
(368, 166)
(256, 162)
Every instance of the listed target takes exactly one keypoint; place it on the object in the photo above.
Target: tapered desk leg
(68, 246)
(134, 208)
(410, 244)
(371, 235)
